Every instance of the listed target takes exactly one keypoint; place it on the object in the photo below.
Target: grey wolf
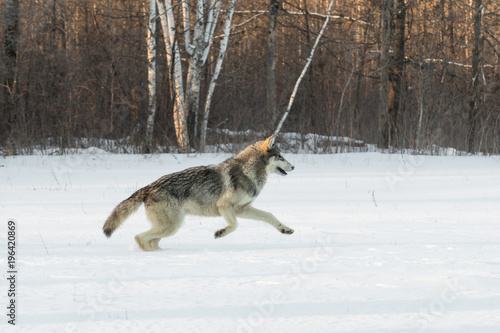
(227, 189)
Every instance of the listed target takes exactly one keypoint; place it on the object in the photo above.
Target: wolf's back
(124, 210)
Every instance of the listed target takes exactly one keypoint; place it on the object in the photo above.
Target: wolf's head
(276, 162)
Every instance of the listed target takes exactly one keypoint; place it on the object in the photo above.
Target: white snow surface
(382, 243)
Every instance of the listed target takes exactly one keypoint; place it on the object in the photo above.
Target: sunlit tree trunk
(215, 75)
(197, 49)
(151, 43)
(174, 60)
(207, 14)
(195, 53)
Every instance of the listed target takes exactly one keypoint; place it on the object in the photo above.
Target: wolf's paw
(220, 233)
(143, 246)
(286, 231)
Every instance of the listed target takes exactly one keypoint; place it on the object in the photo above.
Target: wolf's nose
(293, 167)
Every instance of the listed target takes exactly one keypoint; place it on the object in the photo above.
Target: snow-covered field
(383, 243)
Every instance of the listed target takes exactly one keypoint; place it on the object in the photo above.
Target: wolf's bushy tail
(124, 210)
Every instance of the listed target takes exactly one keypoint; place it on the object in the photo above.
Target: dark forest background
(74, 74)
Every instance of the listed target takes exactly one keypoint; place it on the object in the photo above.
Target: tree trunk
(151, 43)
(450, 28)
(397, 70)
(218, 67)
(11, 42)
(180, 122)
(476, 71)
(271, 61)
(11, 39)
(196, 63)
(174, 60)
(385, 88)
(193, 87)
(424, 78)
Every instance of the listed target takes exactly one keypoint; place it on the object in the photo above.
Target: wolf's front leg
(250, 212)
(230, 217)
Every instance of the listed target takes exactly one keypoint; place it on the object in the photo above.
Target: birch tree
(151, 42)
(215, 75)
(198, 39)
(174, 60)
(198, 49)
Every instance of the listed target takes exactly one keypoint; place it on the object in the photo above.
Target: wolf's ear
(270, 141)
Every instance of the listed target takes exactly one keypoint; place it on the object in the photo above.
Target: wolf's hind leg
(252, 213)
(167, 232)
(164, 225)
(148, 241)
(154, 243)
(230, 217)
(144, 240)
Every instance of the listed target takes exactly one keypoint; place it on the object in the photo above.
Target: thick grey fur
(227, 189)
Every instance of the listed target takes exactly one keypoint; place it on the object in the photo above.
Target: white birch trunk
(151, 41)
(198, 49)
(213, 17)
(195, 53)
(197, 41)
(187, 26)
(306, 67)
(213, 81)
(174, 59)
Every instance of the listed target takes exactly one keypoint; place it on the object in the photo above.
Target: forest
(182, 75)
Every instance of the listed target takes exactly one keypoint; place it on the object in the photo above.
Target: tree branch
(322, 17)
(306, 67)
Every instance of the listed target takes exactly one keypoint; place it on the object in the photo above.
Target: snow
(382, 243)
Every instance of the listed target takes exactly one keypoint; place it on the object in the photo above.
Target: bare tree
(392, 40)
(271, 61)
(151, 61)
(386, 94)
(215, 75)
(11, 45)
(78, 76)
(476, 72)
(304, 70)
(198, 49)
(174, 60)
(396, 69)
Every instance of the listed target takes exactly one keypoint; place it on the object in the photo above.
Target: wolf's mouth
(281, 171)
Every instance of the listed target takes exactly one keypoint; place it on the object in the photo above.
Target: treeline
(402, 74)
